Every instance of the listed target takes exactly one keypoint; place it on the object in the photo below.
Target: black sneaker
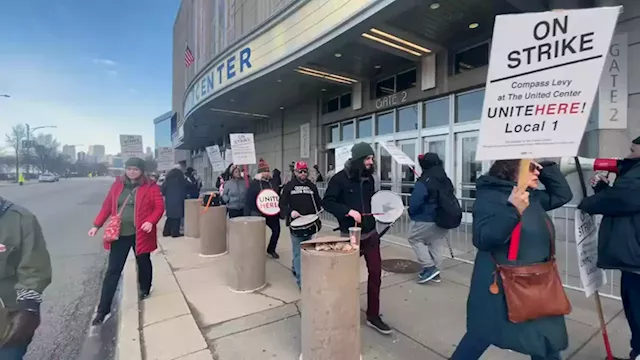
(437, 279)
(377, 323)
(99, 319)
(274, 254)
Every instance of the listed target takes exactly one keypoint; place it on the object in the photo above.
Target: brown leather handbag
(532, 291)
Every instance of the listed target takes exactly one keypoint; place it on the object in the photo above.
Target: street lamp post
(5, 95)
(28, 141)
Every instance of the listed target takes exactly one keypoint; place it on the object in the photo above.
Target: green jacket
(25, 266)
(494, 219)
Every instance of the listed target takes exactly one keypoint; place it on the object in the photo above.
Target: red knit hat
(263, 166)
(301, 165)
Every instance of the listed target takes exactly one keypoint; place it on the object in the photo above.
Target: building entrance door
(405, 177)
(467, 170)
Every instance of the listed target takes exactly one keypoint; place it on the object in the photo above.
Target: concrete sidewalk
(191, 314)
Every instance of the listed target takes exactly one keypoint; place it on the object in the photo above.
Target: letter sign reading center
(268, 202)
(544, 71)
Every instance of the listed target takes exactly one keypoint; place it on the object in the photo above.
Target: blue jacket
(421, 209)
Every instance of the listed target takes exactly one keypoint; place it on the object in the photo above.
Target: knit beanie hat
(263, 166)
(428, 160)
(361, 150)
(135, 162)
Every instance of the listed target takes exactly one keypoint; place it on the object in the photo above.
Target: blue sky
(93, 68)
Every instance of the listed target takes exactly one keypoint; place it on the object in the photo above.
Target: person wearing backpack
(433, 209)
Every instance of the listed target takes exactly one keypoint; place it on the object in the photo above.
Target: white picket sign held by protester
(543, 75)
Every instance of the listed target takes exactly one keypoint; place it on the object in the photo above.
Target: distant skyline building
(98, 151)
(70, 151)
(162, 130)
(149, 152)
(82, 156)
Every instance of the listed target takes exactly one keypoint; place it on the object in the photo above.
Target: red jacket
(149, 206)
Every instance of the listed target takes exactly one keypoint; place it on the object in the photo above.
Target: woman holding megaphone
(516, 300)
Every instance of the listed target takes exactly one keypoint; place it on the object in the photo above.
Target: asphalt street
(66, 210)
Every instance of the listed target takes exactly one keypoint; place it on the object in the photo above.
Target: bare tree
(45, 151)
(14, 139)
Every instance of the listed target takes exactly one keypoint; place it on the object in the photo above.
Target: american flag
(188, 57)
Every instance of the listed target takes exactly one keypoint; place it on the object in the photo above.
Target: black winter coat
(349, 191)
(494, 219)
(619, 235)
(255, 186)
(174, 190)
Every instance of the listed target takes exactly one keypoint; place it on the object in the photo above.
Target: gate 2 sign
(543, 74)
(268, 202)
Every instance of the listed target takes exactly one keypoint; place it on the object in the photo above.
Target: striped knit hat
(263, 166)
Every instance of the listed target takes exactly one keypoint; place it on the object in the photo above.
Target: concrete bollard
(213, 232)
(330, 324)
(246, 241)
(192, 217)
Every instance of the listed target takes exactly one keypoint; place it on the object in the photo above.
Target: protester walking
(25, 272)
(174, 190)
(134, 206)
(318, 175)
(193, 184)
(300, 197)
(502, 215)
(428, 240)
(348, 197)
(276, 181)
(619, 234)
(234, 193)
(262, 181)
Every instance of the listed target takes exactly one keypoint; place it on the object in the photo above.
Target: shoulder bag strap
(124, 203)
(552, 239)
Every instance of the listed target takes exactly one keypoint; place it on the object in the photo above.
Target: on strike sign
(268, 202)
(543, 74)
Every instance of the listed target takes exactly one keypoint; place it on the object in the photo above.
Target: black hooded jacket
(351, 189)
(619, 234)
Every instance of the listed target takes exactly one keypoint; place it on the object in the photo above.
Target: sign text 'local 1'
(543, 74)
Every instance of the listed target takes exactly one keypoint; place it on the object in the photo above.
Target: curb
(204, 347)
(128, 344)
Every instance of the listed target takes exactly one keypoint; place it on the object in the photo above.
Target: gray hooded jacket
(234, 193)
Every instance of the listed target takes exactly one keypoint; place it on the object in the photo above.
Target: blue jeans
(295, 246)
(471, 348)
(13, 353)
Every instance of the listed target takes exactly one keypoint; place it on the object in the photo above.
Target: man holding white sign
(619, 235)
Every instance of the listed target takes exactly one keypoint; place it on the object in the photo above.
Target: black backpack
(448, 209)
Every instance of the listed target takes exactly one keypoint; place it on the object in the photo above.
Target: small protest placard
(243, 149)
(398, 155)
(215, 158)
(342, 155)
(268, 202)
(591, 277)
(543, 74)
(164, 158)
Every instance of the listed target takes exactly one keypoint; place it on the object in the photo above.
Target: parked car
(56, 176)
(47, 178)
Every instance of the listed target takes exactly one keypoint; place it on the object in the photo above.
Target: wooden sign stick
(524, 175)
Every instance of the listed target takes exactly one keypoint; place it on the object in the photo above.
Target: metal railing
(463, 249)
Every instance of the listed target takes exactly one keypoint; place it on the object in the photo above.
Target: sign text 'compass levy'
(537, 98)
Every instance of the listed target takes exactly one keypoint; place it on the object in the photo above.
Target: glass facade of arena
(447, 126)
